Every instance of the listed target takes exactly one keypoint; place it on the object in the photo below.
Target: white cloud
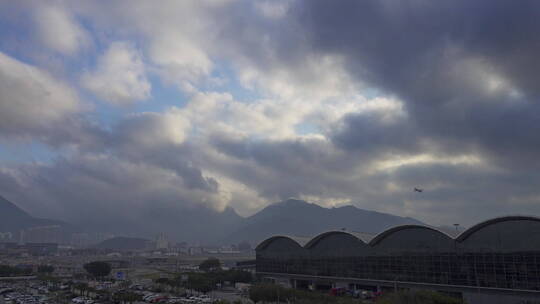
(119, 77)
(177, 36)
(151, 130)
(397, 161)
(58, 30)
(31, 99)
(272, 9)
(179, 61)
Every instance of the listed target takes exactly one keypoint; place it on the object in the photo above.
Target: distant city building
(41, 248)
(43, 234)
(35, 249)
(195, 250)
(86, 239)
(6, 236)
(228, 250)
(162, 242)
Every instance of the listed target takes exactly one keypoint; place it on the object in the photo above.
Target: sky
(108, 108)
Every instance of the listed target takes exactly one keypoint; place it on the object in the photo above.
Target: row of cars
(82, 300)
(23, 298)
(361, 294)
(151, 297)
(24, 294)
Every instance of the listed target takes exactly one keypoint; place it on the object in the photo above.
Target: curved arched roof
(381, 236)
(300, 241)
(307, 243)
(324, 235)
(467, 233)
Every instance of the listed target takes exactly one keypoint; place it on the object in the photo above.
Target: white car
(79, 300)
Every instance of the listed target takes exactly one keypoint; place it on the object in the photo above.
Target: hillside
(296, 217)
(200, 224)
(13, 218)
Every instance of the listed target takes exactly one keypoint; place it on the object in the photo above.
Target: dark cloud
(441, 59)
(465, 72)
(363, 133)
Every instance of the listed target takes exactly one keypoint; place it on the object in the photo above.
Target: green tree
(270, 293)
(47, 269)
(127, 297)
(418, 297)
(200, 282)
(8, 271)
(98, 269)
(210, 264)
(82, 288)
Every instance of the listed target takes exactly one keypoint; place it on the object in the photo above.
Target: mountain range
(300, 218)
(208, 226)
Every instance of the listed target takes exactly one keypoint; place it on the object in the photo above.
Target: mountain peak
(230, 211)
(292, 202)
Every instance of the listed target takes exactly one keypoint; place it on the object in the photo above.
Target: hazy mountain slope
(13, 219)
(199, 224)
(296, 217)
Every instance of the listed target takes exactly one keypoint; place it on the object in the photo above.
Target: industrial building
(496, 261)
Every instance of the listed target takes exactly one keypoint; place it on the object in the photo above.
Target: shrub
(418, 297)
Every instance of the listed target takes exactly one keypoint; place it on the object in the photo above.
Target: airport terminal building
(496, 261)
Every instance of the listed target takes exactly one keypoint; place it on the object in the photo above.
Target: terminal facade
(495, 261)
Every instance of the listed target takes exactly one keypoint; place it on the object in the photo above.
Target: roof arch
(467, 233)
(383, 235)
(262, 245)
(314, 241)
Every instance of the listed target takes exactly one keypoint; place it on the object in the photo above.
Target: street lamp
(456, 225)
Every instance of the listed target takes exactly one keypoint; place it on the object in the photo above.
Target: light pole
(456, 225)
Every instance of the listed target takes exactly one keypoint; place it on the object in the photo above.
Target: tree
(210, 264)
(127, 297)
(200, 282)
(270, 293)
(98, 269)
(164, 282)
(48, 269)
(8, 271)
(418, 297)
(81, 287)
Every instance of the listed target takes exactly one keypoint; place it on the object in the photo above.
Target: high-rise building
(162, 242)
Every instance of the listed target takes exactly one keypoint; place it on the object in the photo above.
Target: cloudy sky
(110, 107)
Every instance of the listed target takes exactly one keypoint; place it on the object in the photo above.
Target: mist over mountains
(13, 218)
(207, 226)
